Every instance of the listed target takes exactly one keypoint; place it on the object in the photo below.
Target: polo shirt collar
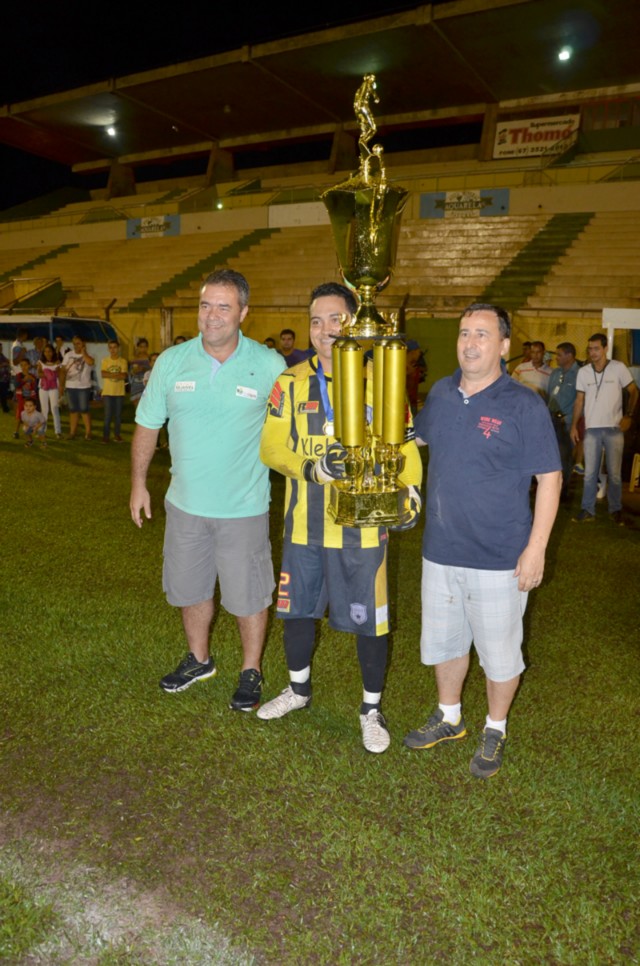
(489, 392)
(236, 352)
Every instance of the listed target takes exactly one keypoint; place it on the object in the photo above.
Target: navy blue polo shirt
(483, 452)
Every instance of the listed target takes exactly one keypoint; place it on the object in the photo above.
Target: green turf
(286, 836)
(23, 922)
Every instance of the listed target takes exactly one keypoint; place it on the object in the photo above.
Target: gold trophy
(365, 216)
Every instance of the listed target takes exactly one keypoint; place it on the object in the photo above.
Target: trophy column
(365, 214)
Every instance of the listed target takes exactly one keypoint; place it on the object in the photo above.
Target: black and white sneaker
(249, 691)
(187, 673)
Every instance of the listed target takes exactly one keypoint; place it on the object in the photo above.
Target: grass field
(139, 827)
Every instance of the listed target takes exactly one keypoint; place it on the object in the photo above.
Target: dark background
(52, 48)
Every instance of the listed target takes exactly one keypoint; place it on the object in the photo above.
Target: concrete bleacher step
(515, 283)
(599, 269)
(155, 297)
(41, 262)
(573, 303)
(592, 288)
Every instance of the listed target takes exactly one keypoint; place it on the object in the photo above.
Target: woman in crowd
(49, 389)
(75, 377)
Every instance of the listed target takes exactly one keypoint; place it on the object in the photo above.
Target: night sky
(55, 47)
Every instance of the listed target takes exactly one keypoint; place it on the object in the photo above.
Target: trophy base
(370, 509)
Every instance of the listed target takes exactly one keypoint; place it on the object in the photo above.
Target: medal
(328, 427)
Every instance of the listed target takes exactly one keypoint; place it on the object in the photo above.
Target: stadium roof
(432, 61)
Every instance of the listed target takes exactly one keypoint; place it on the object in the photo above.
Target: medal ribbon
(324, 393)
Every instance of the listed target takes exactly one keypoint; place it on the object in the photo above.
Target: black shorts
(352, 582)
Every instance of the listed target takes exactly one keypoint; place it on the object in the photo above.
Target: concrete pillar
(343, 151)
(488, 132)
(122, 181)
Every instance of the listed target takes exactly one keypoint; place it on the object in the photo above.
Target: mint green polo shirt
(216, 413)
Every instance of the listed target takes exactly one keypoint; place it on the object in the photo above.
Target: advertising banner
(534, 136)
(465, 204)
(160, 226)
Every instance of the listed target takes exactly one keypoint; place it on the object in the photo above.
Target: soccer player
(324, 563)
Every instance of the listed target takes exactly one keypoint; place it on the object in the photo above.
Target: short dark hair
(232, 279)
(288, 332)
(340, 291)
(504, 322)
(566, 347)
(539, 343)
(525, 344)
(599, 337)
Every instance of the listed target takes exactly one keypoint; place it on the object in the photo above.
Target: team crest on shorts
(283, 605)
(358, 613)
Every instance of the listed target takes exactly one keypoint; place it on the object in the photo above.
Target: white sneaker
(286, 701)
(375, 736)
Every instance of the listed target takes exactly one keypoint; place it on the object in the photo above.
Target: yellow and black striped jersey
(294, 433)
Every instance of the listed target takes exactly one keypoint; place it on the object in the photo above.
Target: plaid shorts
(461, 606)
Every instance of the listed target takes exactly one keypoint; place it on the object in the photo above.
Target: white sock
(496, 725)
(451, 712)
(371, 697)
(300, 677)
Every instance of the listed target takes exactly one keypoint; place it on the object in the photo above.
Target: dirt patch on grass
(101, 918)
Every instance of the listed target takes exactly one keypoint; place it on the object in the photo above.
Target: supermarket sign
(160, 226)
(471, 203)
(535, 136)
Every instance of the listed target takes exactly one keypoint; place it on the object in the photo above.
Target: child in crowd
(114, 374)
(26, 388)
(33, 423)
(48, 391)
(163, 435)
(138, 366)
(152, 362)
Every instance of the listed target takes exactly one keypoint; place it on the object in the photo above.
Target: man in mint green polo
(214, 391)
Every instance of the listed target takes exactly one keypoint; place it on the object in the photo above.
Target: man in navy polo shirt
(214, 391)
(488, 435)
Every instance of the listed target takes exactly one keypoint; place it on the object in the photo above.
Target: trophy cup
(365, 214)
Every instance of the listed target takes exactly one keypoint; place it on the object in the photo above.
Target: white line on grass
(97, 916)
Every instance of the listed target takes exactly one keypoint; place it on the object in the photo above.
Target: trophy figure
(365, 214)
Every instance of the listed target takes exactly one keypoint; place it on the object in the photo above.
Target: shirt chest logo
(311, 406)
(245, 392)
(489, 426)
(185, 386)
